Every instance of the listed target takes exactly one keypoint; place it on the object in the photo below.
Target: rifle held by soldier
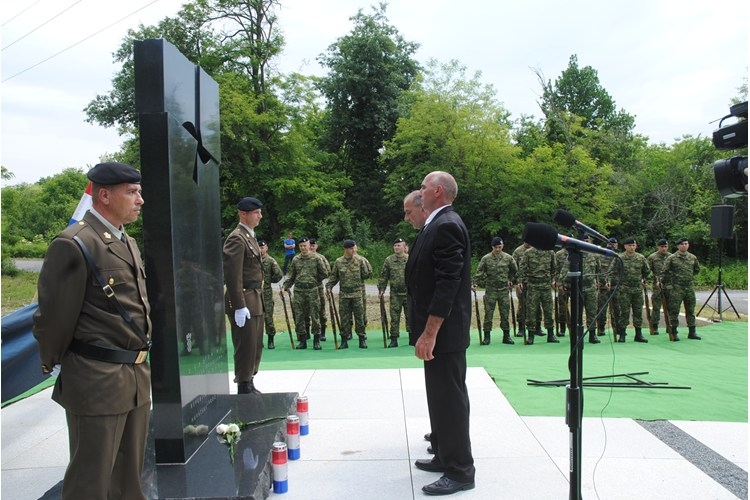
(647, 303)
(512, 309)
(336, 317)
(286, 317)
(383, 320)
(333, 318)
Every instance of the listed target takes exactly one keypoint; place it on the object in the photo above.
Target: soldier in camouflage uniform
(271, 274)
(535, 276)
(521, 306)
(589, 275)
(321, 291)
(393, 272)
(351, 270)
(305, 273)
(656, 264)
(605, 263)
(630, 293)
(495, 273)
(677, 281)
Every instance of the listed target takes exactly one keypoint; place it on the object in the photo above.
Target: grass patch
(18, 291)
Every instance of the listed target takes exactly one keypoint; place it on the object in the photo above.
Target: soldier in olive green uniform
(521, 306)
(656, 264)
(271, 274)
(589, 276)
(321, 292)
(605, 263)
(305, 273)
(351, 271)
(535, 276)
(677, 281)
(393, 273)
(496, 272)
(630, 293)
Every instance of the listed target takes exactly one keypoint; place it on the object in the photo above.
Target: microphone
(566, 219)
(545, 237)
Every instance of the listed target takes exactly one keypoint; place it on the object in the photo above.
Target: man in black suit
(438, 278)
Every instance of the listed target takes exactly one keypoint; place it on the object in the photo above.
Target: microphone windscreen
(565, 218)
(541, 236)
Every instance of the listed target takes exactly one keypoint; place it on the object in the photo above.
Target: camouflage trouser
(602, 295)
(521, 311)
(306, 305)
(629, 301)
(656, 307)
(323, 317)
(589, 305)
(539, 296)
(352, 308)
(268, 315)
(677, 296)
(496, 298)
(397, 303)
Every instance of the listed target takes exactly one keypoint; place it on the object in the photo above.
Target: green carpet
(714, 368)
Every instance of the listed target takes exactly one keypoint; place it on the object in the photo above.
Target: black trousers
(448, 406)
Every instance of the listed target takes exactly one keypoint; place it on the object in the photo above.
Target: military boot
(271, 345)
(253, 389)
(506, 337)
(639, 336)
(530, 338)
(521, 332)
(323, 332)
(551, 336)
(362, 343)
(600, 332)
(486, 339)
(621, 336)
(593, 339)
(655, 330)
(316, 342)
(344, 344)
(538, 331)
(243, 388)
(562, 330)
(675, 338)
(691, 333)
(302, 343)
(394, 342)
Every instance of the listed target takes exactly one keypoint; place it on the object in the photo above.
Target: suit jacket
(438, 281)
(243, 272)
(72, 305)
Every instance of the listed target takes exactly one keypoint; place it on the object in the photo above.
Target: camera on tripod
(731, 173)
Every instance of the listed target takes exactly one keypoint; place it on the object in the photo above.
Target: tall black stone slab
(178, 113)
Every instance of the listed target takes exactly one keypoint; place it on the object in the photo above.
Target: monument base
(211, 473)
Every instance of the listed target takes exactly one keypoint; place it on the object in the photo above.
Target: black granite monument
(178, 114)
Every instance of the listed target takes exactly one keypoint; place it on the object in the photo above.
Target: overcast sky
(674, 65)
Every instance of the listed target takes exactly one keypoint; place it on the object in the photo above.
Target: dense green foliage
(333, 156)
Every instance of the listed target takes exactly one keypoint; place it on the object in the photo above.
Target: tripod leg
(730, 302)
(708, 300)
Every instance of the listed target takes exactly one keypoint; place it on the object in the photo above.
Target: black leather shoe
(271, 344)
(429, 465)
(253, 389)
(243, 388)
(428, 436)
(430, 450)
(446, 486)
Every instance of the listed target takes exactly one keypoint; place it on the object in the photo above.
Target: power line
(79, 42)
(24, 10)
(44, 23)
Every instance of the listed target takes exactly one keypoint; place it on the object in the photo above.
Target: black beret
(613, 240)
(662, 242)
(303, 239)
(629, 241)
(349, 243)
(496, 241)
(313, 241)
(249, 204)
(109, 174)
(682, 240)
(261, 243)
(398, 240)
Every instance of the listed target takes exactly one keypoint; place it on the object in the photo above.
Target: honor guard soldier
(305, 274)
(351, 270)
(271, 274)
(656, 264)
(94, 333)
(677, 280)
(393, 273)
(496, 272)
(630, 292)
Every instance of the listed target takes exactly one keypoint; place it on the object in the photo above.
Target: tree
(368, 70)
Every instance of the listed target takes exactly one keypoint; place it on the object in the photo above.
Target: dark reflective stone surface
(178, 112)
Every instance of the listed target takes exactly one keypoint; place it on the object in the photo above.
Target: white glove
(241, 315)
(55, 371)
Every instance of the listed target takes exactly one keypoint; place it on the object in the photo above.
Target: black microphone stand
(574, 391)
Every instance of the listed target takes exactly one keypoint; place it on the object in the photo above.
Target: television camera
(731, 173)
